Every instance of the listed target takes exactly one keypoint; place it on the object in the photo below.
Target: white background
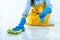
(10, 15)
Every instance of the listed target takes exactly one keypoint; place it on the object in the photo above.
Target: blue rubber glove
(21, 25)
(42, 20)
(45, 12)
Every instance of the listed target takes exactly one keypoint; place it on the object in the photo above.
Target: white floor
(10, 15)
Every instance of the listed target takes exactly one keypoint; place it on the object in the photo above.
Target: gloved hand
(45, 12)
